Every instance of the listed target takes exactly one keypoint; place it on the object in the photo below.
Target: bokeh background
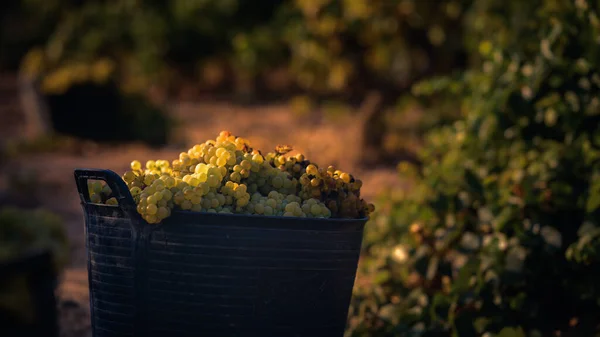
(474, 125)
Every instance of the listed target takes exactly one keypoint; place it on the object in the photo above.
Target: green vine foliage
(499, 235)
(325, 46)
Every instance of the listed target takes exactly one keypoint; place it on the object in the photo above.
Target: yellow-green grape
(153, 199)
(298, 212)
(135, 191)
(149, 178)
(291, 207)
(257, 158)
(235, 176)
(167, 195)
(315, 210)
(178, 198)
(277, 182)
(151, 209)
(205, 188)
(112, 201)
(95, 198)
(311, 169)
(202, 177)
(96, 187)
(221, 198)
(106, 190)
(194, 181)
(242, 202)
(259, 208)
(151, 218)
(162, 213)
(186, 205)
(129, 176)
(306, 208)
(212, 180)
(136, 165)
(245, 164)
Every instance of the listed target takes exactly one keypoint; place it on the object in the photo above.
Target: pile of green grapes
(226, 175)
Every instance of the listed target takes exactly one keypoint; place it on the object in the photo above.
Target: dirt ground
(325, 142)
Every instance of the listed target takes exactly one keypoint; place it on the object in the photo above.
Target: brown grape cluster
(226, 175)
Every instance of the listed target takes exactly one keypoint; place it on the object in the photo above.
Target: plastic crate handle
(114, 181)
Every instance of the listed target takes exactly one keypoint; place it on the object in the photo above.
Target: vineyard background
(472, 123)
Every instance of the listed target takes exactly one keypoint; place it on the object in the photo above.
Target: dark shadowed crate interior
(37, 269)
(215, 274)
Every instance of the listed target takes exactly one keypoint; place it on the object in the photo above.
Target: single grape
(106, 190)
(95, 198)
(135, 191)
(186, 205)
(315, 210)
(311, 169)
(315, 182)
(162, 213)
(112, 201)
(235, 176)
(129, 176)
(167, 195)
(151, 218)
(151, 209)
(277, 182)
(136, 165)
(259, 208)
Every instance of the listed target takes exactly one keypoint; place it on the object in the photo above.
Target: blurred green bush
(324, 46)
(499, 235)
(330, 49)
(24, 233)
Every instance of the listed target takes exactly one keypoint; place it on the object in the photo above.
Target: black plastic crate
(203, 274)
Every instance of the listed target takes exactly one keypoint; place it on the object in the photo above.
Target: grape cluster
(100, 193)
(339, 190)
(226, 175)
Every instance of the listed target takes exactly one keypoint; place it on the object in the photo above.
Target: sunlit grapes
(226, 175)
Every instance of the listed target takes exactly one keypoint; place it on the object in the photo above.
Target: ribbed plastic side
(239, 281)
(111, 271)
